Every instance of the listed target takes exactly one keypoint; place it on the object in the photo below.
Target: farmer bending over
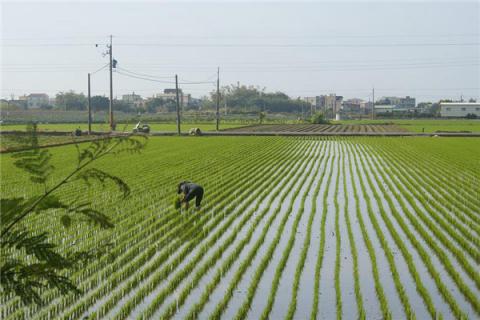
(191, 190)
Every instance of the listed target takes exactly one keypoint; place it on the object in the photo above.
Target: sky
(428, 50)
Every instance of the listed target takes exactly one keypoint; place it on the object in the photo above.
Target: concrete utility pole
(218, 98)
(373, 103)
(178, 105)
(334, 106)
(89, 108)
(110, 109)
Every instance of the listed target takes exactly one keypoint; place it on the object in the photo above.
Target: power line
(100, 69)
(251, 45)
(144, 78)
(273, 36)
(162, 81)
(279, 45)
(143, 74)
(267, 68)
(154, 65)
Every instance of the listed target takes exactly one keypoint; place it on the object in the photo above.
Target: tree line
(237, 99)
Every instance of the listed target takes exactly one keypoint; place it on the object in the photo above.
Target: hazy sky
(428, 50)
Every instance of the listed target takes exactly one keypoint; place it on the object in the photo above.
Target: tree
(121, 105)
(99, 103)
(252, 99)
(71, 101)
(319, 118)
(46, 106)
(153, 104)
(261, 117)
(29, 261)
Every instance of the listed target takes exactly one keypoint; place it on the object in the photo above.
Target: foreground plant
(29, 261)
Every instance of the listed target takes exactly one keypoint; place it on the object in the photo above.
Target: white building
(133, 99)
(36, 100)
(459, 109)
(384, 108)
(171, 94)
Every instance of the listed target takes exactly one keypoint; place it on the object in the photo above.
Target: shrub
(319, 118)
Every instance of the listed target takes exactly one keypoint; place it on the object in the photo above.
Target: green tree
(261, 117)
(318, 118)
(252, 99)
(123, 106)
(71, 101)
(99, 103)
(153, 104)
(46, 106)
(29, 261)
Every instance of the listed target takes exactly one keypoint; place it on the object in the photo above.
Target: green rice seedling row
(290, 227)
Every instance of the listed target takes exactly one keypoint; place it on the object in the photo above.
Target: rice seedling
(416, 197)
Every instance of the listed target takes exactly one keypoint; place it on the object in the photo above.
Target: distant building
(311, 100)
(17, 103)
(36, 100)
(330, 102)
(354, 105)
(384, 108)
(314, 103)
(388, 108)
(133, 99)
(459, 109)
(406, 102)
(171, 94)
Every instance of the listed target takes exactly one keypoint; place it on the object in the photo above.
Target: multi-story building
(171, 94)
(36, 100)
(133, 99)
(314, 103)
(330, 102)
(406, 102)
(459, 109)
(354, 105)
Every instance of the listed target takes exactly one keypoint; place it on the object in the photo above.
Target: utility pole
(218, 98)
(373, 103)
(178, 105)
(110, 49)
(89, 108)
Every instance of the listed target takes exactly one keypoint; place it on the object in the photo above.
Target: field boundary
(103, 135)
(389, 134)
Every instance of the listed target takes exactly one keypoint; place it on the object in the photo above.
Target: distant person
(191, 190)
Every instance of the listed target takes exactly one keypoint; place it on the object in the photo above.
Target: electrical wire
(143, 78)
(143, 74)
(149, 78)
(100, 69)
(251, 45)
(299, 45)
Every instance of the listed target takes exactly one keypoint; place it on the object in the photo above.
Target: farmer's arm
(186, 191)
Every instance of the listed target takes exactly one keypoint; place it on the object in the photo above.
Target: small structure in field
(195, 132)
(459, 109)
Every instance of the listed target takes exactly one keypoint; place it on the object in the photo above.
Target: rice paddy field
(318, 128)
(424, 125)
(290, 228)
